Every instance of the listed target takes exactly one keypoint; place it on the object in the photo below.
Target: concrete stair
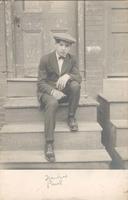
(121, 157)
(22, 136)
(118, 143)
(113, 117)
(114, 108)
(116, 87)
(119, 131)
(31, 136)
(65, 159)
(26, 109)
(22, 87)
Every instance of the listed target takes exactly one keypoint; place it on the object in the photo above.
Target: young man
(58, 81)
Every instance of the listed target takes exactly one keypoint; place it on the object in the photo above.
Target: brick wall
(95, 30)
(2, 62)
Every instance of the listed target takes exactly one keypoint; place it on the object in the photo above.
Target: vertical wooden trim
(3, 72)
(3, 67)
(9, 39)
(81, 43)
(108, 38)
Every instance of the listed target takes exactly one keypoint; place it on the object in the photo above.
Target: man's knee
(75, 86)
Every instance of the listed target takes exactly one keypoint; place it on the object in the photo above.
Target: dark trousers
(72, 91)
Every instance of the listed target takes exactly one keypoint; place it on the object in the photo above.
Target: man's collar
(59, 57)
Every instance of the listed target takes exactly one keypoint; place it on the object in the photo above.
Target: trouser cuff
(49, 141)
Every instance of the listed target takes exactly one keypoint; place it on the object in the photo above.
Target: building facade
(101, 30)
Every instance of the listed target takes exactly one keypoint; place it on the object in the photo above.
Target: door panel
(35, 22)
(32, 51)
(118, 39)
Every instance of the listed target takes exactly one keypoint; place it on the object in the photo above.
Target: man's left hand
(61, 83)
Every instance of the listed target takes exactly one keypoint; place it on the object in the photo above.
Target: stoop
(22, 136)
(113, 117)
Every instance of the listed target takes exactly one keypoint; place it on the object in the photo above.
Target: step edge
(120, 154)
(118, 78)
(97, 128)
(117, 124)
(34, 100)
(22, 80)
(111, 100)
(38, 106)
(56, 132)
(59, 162)
(104, 157)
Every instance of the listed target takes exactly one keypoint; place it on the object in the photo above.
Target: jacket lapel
(66, 65)
(54, 62)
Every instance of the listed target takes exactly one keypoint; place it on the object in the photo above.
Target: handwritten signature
(55, 180)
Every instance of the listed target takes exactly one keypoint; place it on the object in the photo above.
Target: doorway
(34, 22)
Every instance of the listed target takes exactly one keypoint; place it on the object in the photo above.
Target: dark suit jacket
(48, 73)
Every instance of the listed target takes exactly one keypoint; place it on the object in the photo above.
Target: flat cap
(64, 37)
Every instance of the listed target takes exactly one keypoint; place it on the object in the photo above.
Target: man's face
(63, 48)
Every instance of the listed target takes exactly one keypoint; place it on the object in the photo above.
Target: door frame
(110, 5)
(10, 39)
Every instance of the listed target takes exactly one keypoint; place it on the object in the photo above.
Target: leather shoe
(49, 152)
(72, 123)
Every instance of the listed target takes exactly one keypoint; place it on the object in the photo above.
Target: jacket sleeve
(74, 73)
(42, 85)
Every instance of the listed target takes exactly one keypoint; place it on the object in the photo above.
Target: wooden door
(34, 24)
(117, 39)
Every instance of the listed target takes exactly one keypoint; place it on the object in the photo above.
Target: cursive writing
(54, 180)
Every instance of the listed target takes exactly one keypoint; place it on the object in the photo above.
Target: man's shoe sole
(73, 130)
(50, 159)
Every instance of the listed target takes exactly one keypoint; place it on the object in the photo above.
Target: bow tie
(61, 57)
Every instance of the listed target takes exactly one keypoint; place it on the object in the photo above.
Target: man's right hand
(57, 94)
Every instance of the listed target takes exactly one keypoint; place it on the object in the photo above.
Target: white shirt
(60, 62)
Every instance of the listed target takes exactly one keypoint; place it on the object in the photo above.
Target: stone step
(119, 133)
(116, 87)
(71, 159)
(26, 87)
(115, 134)
(20, 87)
(27, 110)
(120, 157)
(31, 136)
(118, 75)
(112, 107)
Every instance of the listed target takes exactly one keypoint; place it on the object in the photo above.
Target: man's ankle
(71, 116)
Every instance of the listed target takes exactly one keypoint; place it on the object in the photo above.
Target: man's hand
(57, 94)
(61, 83)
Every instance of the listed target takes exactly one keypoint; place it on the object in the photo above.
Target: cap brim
(66, 38)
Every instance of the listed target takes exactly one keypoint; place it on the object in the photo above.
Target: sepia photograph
(64, 97)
